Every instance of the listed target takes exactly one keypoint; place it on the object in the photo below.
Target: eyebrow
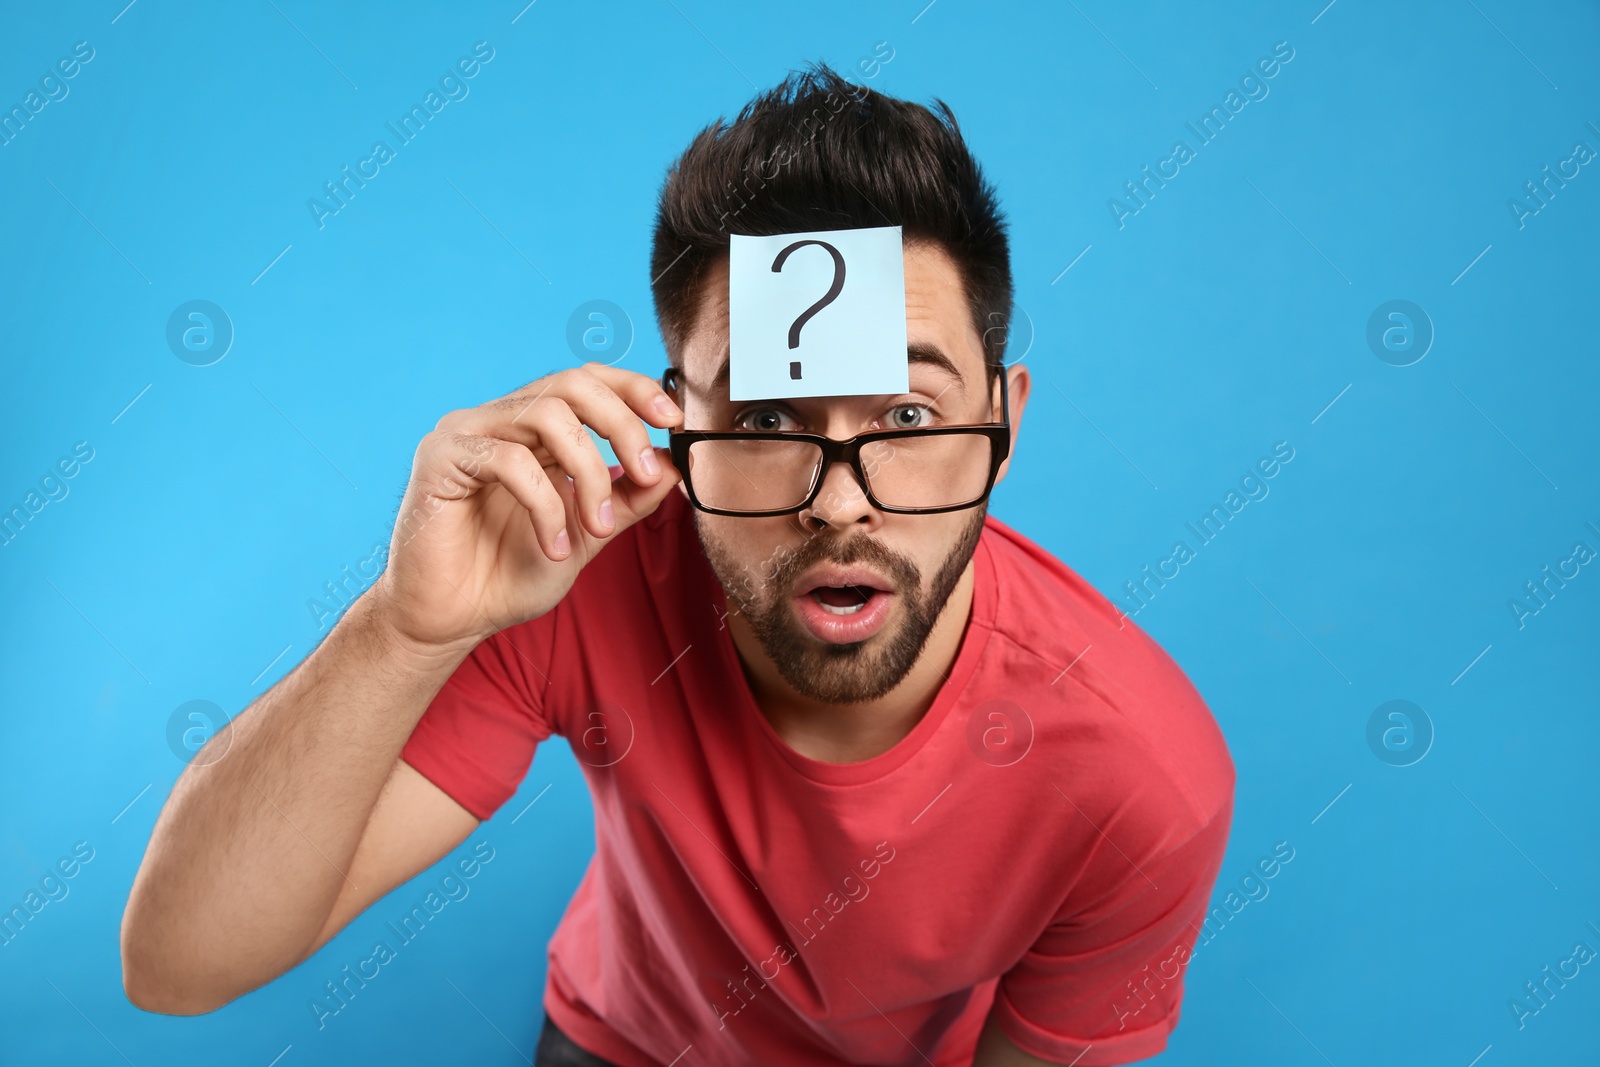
(920, 352)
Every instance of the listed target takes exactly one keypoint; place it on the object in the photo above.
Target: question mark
(827, 298)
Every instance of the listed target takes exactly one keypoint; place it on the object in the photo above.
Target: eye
(764, 420)
(909, 416)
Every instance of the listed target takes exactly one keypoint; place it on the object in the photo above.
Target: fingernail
(607, 518)
(665, 407)
(647, 460)
(562, 543)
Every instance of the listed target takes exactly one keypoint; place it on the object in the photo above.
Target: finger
(568, 442)
(456, 464)
(594, 402)
(600, 406)
(641, 393)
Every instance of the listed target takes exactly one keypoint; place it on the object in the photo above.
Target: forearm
(254, 846)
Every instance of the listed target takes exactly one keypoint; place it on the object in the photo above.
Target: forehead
(937, 317)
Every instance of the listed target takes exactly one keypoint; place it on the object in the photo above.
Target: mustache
(858, 549)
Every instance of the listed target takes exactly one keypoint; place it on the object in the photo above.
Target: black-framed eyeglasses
(755, 474)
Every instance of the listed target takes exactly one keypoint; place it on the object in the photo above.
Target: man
(876, 779)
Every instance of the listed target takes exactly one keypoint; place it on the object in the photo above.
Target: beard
(841, 673)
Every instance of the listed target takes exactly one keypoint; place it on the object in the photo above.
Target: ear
(1017, 379)
(669, 385)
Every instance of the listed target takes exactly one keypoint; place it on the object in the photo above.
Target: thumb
(630, 501)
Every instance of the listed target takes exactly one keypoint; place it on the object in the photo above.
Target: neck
(849, 733)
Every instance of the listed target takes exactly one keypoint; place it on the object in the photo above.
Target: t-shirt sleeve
(1103, 984)
(478, 736)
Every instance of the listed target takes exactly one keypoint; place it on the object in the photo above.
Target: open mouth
(843, 599)
(843, 605)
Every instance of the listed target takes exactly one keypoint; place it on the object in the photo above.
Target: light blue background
(1223, 317)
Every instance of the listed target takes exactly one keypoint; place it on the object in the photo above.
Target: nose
(841, 503)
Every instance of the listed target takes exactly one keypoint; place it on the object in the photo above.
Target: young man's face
(884, 577)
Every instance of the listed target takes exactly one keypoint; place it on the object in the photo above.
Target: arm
(298, 815)
(414, 825)
(260, 857)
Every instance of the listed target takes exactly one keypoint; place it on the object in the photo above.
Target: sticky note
(817, 314)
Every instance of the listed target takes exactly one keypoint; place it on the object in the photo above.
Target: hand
(508, 501)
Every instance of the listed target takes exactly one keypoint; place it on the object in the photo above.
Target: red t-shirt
(1044, 840)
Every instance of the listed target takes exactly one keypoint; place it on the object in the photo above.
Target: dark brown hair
(819, 152)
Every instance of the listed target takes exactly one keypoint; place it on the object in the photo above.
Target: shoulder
(1113, 709)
